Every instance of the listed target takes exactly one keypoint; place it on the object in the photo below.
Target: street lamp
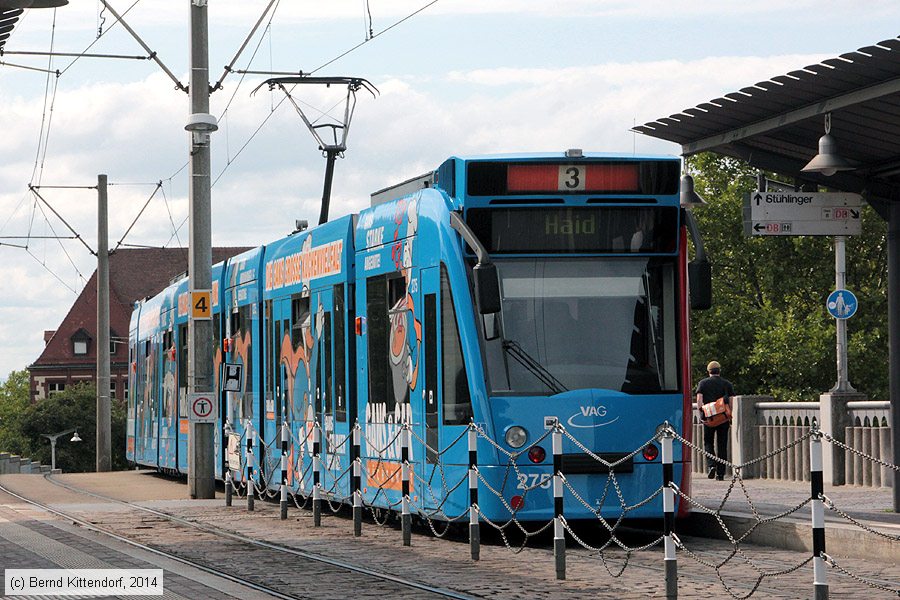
(53, 438)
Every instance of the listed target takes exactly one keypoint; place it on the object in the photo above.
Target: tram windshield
(606, 323)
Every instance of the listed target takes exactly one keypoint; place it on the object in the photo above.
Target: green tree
(74, 407)
(14, 401)
(768, 325)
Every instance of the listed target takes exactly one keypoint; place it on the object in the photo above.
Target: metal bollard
(669, 516)
(559, 536)
(405, 517)
(250, 486)
(474, 531)
(229, 487)
(356, 481)
(285, 437)
(317, 475)
(817, 488)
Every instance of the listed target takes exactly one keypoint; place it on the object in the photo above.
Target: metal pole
(894, 337)
(317, 475)
(251, 488)
(405, 516)
(356, 480)
(669, 516)
(52, 454)
(201, 456)
(474, 531)
(285, 436)
(559, 536)
(104, 426)
(840, 283)
(820, 584)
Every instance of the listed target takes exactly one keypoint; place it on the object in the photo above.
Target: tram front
(592, 332)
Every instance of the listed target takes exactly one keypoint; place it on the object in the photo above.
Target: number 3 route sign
(202, 408)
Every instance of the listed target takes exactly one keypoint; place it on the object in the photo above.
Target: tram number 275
(527, 482)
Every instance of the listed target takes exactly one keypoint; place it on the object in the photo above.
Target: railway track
(265, 553)
(278, 566)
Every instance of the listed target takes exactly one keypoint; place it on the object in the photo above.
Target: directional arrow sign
(803, 213)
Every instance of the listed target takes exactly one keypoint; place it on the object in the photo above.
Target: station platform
(743, 504)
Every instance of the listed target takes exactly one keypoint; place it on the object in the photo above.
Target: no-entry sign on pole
(202, 408)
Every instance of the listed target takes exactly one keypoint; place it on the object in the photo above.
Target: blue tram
(514, 292)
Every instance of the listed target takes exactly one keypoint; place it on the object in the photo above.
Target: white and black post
(669, 515)
(251, 488)
(405, 517)
(229, 487)
(817, 489)
(356, 481)
(285, 438)
(317, 475)
(474, 531)
(559, 535)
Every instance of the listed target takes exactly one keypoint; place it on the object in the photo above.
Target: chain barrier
(872, 584)
(432, 496)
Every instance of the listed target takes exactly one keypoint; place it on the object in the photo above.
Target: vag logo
(588, 416)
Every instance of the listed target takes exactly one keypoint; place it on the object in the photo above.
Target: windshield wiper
(534, 367)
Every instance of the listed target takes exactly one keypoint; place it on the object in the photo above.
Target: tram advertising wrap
(380, 321)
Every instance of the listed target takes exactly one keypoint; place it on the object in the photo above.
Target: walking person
(715, 436)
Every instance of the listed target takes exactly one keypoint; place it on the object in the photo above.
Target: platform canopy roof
(776, 124)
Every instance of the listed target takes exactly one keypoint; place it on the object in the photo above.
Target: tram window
(326, 358)
(235, 322)
(217, 336)
(386, 317)
(182, 356)
(168, 343)
(457, 401)
(300, 318)
(270, 331)
(244, 346)
(340, 411)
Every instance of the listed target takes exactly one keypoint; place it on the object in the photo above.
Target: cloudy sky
(459, 77)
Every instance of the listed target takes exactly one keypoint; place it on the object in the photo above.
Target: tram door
(278, 344)
(431, 387)
(329, 384)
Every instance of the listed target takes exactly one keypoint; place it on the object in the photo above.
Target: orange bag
(716, 413)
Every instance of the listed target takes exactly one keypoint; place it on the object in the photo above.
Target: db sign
(202, 408)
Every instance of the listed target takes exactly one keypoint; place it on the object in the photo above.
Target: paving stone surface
(502, 572)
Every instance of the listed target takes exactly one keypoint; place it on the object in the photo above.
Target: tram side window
(300, 318)
(182, 356)
(270, 332)
(340, 412)
(457, 401)
(383, 293)
(244, 343)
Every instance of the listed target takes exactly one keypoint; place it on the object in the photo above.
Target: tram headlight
(516, 436)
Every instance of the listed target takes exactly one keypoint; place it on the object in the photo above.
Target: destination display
(645, 177)
(803, 213)
(579, 230)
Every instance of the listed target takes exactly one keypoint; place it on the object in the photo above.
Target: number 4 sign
(201, 305)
